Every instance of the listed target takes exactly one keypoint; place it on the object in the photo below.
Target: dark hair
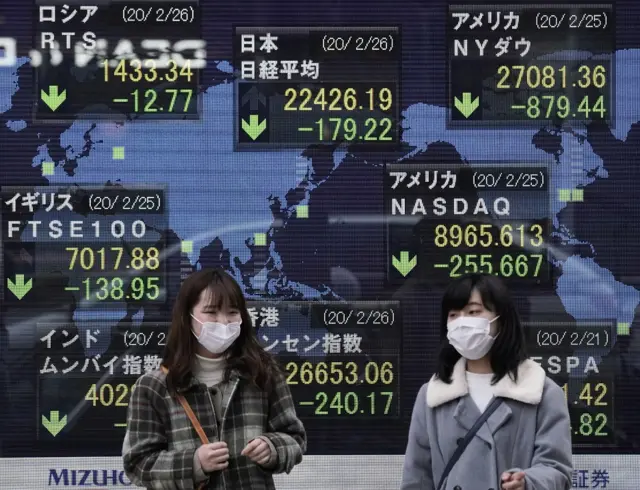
(246, 355)
(508, 350)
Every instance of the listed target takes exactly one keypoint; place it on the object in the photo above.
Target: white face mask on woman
(470, 336)
(217, 337)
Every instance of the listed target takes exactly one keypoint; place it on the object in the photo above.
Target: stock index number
(592, 425)
(350, 129)
(339, 372)
(111, 258)
(487, 235)
(338, 99)
(550, 77)
(109, 395)
(163, 100)
(561, 106)
(353, 403)
(591, 394)
(146, 70)
(139, 288)
(508, 265)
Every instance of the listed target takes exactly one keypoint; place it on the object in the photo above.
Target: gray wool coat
(530, 432)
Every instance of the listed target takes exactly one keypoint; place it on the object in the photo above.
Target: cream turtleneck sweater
(209, 371)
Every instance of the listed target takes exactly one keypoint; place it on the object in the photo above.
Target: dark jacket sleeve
(285, 430)
(147, 462)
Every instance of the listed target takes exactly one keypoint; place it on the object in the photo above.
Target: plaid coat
(160, 443)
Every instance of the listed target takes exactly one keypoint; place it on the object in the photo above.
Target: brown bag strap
(192, 416)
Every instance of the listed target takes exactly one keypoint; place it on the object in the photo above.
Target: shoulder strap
(192, 416)
(495, 403)
(193, 419)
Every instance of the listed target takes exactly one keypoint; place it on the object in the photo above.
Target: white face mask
(470, 336)
(217, 337)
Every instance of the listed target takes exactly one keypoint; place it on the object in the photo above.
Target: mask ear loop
(201, 323)
(192, 316)
(497, 333)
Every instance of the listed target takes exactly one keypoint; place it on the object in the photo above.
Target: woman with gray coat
(489, 418)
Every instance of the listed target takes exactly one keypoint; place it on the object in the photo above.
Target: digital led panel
(344, 162)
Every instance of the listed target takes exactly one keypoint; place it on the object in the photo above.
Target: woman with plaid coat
(237, 392)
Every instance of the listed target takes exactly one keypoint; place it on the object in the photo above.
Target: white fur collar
(528, 389)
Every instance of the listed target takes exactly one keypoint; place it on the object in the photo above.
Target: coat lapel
(500, 417)
(466, 413)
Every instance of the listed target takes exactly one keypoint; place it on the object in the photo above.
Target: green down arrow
(53, 99)
(18, 287)
(254, 128)
(404, 265)
(54, 424)
(466, 106)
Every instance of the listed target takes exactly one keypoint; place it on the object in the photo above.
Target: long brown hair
(246, 355)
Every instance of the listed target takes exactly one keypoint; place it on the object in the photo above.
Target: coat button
(459, 441)
(457, 487)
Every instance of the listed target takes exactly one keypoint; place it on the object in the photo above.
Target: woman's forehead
(204, 295)
(209, 298)
(475, 298)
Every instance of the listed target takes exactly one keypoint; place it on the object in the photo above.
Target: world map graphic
(219, 198)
